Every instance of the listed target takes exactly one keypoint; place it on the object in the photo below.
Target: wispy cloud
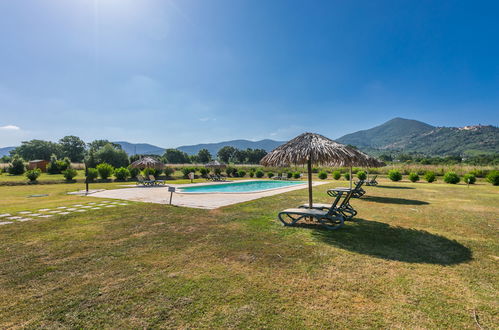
(10, 128)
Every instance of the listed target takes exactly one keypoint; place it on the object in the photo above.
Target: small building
(39, 163)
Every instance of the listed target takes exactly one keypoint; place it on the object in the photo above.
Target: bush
(52, 166)
(414, 177)
(394, 175)
(251, 174)
(430, 176)
(270, 174)
(289, 175)
(361, 175)
(32, 175)
(347, 176)
(204, 172)
(241, 173)
(217, 171)
(322, 175)
(121, 173)
(315, 170)
(187, 170)
(230, 170)
(69, 174)
(336, 175)
(493, 177)
(451, 177)
(169, 171)
(92, 174)
(133, 172)
(105, 170)
(259, 174)
(296, 175)
(469, 178)
(16, 167)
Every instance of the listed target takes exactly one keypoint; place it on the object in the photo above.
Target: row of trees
(492, 159)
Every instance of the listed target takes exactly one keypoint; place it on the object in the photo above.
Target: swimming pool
(240, 187)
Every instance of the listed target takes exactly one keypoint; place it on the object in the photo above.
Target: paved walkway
(161, 195)
(23, 216)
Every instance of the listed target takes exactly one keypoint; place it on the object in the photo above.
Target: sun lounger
(357, 190)
(372, 182)
(142, 181)
(345, 208)
(330, 218)
(156, 182)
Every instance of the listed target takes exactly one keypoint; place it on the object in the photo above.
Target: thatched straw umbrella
(215, 164)
(148, 162)
(311, 148)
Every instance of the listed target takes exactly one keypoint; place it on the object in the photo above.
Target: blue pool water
(239, 187)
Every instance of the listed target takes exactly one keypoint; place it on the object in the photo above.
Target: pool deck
(160, 195)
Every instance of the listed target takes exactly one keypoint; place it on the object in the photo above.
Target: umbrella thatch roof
(147, 162)
(320, 150)
(215, 164)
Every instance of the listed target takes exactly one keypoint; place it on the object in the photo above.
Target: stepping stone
(35, 214)
(64, 213)
(25, 219)
(91, 203)
(122, 204)
(101, 204)
(95, 208)
(81, 211)
(5, 223)
(77, 205)
(4, 215)
(86, 206)
(24, 212)
(62, 207)
(55, 211)
(105, 201)
(46, 216)
(71, 209)
(110, 206)
(14, 218)
(43, 210)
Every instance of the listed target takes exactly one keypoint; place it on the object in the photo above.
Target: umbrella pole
(309, 165)
(350, 177)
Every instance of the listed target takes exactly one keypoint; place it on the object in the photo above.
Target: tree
(111, 155)
(73, 148)
(16, 167)
(226, 153)
(175, 156)
(97, 144)
(37, 149)
(204, 156)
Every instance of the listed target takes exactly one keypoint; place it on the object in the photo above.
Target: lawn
(417, 256)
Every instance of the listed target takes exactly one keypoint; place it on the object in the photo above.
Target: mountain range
(395, 136)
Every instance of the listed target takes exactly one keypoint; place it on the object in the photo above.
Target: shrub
(204, 172)
(251, 174)
(469, 178)
(151, 171)
(289, 175)
(322, 175)
(315, 170)
(479, 173)
(69, 174)
(414, 177)
(394, 175)
(336, 175)
(92, 174)
(16, 167)
(451, 177)
(32, 175)
(52, 166)
(347, 176)
(296, 175)
(493, 177)
(105, 170)
(169, 171)
(430, 176)
(121, 173)
(217, 171)
(270, 174)
(241, 173)
(187, 170)
(259, 174)
(133, 172)
(361, 175)
(229, 170)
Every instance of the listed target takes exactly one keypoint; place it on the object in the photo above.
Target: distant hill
(140, 148)
(5, 151)
(213, 148)
(405, 135)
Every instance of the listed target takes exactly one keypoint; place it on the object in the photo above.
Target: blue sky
(183, 72)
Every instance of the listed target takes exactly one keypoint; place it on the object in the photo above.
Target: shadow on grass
(395, 243)
(394, 200)
(394, 187)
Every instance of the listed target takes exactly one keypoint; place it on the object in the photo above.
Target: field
(417, 256)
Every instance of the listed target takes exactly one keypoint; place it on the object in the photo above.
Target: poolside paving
(160, 195)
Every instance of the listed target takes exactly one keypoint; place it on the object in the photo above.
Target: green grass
(418, 256)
